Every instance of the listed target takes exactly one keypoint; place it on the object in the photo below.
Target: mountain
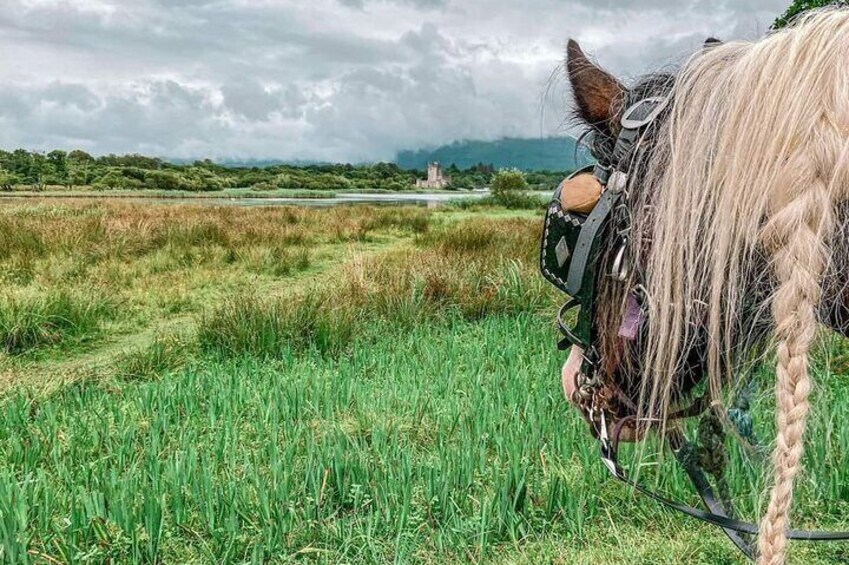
(233, 163)
(534, 154)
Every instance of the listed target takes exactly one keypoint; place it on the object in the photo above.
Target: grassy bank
(339, 385)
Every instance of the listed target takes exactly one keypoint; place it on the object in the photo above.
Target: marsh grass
(519, 201)
(32, 321)
(463, 271)
(116, 229)
(164, 354)
(156, 260)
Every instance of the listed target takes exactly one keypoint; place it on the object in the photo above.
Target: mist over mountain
(534, 154)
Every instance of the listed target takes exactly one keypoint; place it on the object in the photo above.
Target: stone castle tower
(435, 177)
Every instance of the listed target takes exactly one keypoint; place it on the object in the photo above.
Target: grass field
(200, 384)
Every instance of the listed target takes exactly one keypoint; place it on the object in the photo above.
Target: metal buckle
(659, 102)
(617, 182)
(602, 173)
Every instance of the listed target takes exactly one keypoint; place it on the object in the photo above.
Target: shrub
(509, 189)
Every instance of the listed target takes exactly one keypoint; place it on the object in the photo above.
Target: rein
(570, 251)
(718, 513)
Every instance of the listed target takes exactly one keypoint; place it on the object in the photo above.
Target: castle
(435, 177)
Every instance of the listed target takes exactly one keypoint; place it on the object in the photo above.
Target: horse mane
(738, 222)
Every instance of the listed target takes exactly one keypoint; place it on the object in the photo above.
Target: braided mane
(740, 215)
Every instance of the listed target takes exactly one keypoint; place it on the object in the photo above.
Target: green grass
(331, 386)
(33, 321)
(446, 442)
(451, 444)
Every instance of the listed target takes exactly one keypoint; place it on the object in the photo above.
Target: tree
(35, 173)
(801, 6)
(8, 180)
(508, 188)
(79, 163)
(19, 162)
(58, 167)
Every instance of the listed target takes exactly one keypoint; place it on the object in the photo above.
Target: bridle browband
(571, 248)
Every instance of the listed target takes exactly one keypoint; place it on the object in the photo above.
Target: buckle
(602, 173)
(644, 112)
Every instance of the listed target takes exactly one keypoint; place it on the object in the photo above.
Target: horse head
(734, 201)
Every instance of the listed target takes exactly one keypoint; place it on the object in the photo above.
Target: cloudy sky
(337, 80)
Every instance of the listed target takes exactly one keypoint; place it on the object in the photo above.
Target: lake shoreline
(219, 194)
(431, 198)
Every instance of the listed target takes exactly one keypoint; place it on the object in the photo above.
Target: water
(430, 200)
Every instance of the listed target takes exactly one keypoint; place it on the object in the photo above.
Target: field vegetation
(207, 384)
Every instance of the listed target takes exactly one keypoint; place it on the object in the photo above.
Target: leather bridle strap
(741, 540)
(736, 530)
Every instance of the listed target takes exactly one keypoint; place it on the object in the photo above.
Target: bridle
(571, 247)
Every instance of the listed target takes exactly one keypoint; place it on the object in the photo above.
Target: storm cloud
(339, 80)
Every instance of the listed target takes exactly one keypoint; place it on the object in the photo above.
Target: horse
(735, 200)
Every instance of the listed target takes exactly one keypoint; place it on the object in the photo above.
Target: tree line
(79, 170)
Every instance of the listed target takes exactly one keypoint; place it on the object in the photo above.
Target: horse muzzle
(584, 399)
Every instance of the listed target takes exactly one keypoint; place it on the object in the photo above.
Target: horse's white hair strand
(747, 174)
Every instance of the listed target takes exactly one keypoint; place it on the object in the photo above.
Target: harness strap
(716, 514)
(578, 282)
(744, 542)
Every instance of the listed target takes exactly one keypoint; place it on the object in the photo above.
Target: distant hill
(536, 154)
(231, 163)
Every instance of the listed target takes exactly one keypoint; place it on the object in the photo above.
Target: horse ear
(596, 91)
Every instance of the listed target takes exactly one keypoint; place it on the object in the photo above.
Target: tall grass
(431, 445)
(469, 270)
(31, 321)
(158, 260)
(165, 353)
(438, 443)
(108, 230)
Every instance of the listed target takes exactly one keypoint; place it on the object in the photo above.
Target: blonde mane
(740, 222)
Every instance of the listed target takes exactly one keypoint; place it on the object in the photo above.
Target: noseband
(570, 253)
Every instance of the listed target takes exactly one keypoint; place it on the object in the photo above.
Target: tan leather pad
(580, 194)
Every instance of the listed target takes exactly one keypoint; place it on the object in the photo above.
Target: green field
(202, 384)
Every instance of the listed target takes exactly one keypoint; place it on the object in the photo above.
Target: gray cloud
(344, 80)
